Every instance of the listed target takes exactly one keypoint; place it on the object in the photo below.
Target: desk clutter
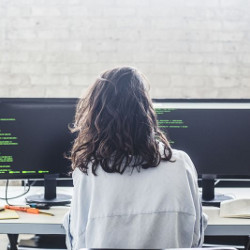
(237, 208)
(6, 214)
(28, 209)
(9, 212)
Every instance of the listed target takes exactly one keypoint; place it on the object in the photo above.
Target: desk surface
(44, 224)
(33, 223)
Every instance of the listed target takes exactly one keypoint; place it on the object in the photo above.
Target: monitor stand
(209, 198)
(50, 197)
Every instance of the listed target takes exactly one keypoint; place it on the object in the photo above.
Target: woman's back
(158, 209)
(131, 190)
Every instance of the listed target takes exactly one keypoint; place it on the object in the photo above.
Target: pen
(27, 210)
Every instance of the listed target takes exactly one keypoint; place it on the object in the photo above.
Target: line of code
(10, 142)
(165, 124)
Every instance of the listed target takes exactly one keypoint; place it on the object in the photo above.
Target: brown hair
(116, 125)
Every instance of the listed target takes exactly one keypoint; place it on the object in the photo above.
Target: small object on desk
(39, 205)
(28, 210)
(8, 214)
(210, 204)
(238, 208)
(2, 208)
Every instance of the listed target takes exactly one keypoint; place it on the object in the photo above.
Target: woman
(131, 190)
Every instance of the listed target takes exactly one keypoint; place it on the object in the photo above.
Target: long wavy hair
(116, 125)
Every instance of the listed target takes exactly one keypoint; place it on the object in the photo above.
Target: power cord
(216, 182)
(6, 192)
(6, 198)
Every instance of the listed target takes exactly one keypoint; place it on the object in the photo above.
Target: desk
(33, 223)
(42, 224)
(227, 226)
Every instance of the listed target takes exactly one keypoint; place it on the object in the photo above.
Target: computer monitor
(214, 133)
(34, 138)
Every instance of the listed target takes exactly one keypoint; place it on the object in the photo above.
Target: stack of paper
(238, 208)
(8, 214)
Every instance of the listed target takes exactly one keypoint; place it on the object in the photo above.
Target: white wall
(187, 48)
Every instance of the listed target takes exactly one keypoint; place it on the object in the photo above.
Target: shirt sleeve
(201, 218)
(75, 220)
(66, 225)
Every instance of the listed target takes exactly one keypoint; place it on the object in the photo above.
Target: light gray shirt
(154, 208)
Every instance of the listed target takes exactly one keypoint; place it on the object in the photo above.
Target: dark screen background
(217, 140)
(41, 128)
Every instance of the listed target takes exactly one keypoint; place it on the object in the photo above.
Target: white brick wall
(187, 48)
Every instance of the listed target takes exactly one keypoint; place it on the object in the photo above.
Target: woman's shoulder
(182, 158)
(177, 155)
(76, 173)
(78, 177)
(180, 155)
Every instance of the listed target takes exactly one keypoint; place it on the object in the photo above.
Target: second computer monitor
(215, 134)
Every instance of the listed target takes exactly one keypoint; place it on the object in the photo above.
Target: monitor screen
(216, 136)
(34, 136)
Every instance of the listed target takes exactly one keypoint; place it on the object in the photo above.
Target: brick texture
(187, 48)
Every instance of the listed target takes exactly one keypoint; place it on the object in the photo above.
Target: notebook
(8, 214)
(238, 208)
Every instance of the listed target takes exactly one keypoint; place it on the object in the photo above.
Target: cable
(6, 192)
(6, 198)
(216, 182)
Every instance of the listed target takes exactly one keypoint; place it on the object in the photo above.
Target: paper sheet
(8, 214)
(239, 208)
